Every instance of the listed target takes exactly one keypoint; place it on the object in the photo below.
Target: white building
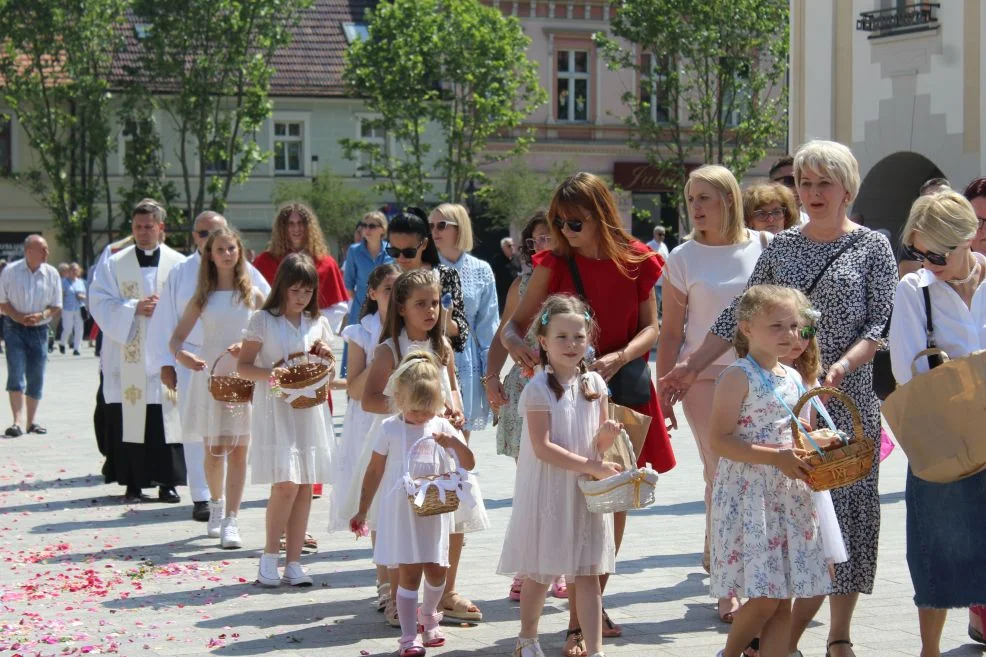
(901, 83)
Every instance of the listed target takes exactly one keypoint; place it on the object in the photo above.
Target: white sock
(407, 611)
(431, 598)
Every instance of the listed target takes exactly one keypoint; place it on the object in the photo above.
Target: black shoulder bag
(884, 382)
(631, 384)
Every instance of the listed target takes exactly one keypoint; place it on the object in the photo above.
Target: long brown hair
(209, 275)
(377, 276)
(564, 304)
(404, 287)
(589, 193)
(280, 244)
(297, 268)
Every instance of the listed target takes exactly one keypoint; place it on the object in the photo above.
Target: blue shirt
(69, 290)
(356, 273)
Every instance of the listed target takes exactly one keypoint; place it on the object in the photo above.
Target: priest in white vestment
(143, 438)
(178, 290)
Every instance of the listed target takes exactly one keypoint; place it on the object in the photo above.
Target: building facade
(901, 83)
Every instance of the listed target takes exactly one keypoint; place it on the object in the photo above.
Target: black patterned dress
(854, 297)
(452, 285)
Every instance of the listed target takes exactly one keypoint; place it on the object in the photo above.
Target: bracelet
(486, 379)
(844, 364)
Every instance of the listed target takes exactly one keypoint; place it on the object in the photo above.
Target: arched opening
(890, 188)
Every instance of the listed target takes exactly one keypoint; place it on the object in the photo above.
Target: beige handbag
(938, 417)
(636, 425)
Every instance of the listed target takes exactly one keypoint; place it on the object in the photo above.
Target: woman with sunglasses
(617, 276)
(363, 257)
(946, 526)
(412, 248)
(703, 276)
(849, 273)
(770, 207)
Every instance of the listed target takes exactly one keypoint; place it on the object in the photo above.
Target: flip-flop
(36, 428)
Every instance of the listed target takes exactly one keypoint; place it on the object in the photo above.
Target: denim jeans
(27, 353)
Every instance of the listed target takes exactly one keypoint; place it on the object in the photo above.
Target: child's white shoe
(528, 648)
(214, 526)
(268, 574)
(229, 538)
(295, 575)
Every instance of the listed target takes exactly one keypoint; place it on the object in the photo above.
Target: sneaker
(61, 349)
(295, 575)
(75, 352)
(267, 574)
(213, 529)
(230, 534)
(200, 511)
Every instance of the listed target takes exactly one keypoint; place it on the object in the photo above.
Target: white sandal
(383, 595)
(528, 648)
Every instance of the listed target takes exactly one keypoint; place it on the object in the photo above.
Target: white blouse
(959, 330)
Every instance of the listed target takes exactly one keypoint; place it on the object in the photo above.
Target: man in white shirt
(658, 246)
(30, 298)
(178, 290)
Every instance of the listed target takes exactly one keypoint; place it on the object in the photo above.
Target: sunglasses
(808, 332)
(763, 215)
(363, 226)
(540, 242)
(204, 234)
(574, 225)
(787, 181)
(441, 225)
(939, 259)
(408, 253)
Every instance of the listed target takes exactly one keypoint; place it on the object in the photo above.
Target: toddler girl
(410, 543)
(290, 445)
(565, 430)
(765, 541)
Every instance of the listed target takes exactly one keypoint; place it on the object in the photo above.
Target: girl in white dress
(405, 541)
(766, 543)
(362, 339)
(565, 431)
(290, 445)
(224, 298)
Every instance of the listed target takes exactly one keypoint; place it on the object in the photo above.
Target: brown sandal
(610, 629)
(578, 648)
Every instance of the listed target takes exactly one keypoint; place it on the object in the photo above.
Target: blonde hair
(417, 383)
(404, 287)
(460, 216)
(564, 304)
(208, 279)
(730, 197)
(945, 220)
(376, 216)
(589, 193)
(828, 158)
(280, 244)
(757, 299)
(763, 194)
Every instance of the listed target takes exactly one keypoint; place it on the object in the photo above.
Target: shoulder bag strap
(835, 256)
(573, 269)
(934, 360)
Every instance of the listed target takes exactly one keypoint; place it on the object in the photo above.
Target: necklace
(973, 272)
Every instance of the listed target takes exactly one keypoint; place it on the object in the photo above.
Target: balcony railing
(916, 17)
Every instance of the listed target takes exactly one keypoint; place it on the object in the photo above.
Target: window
(734, 95)
(370, 134)
(141, 30)
(354, 31)
(6, 146)
(572, 89)
(214, 162)
(289, 148)
(653, 76)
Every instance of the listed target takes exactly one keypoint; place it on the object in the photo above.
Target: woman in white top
(946, 527)
(702, 277)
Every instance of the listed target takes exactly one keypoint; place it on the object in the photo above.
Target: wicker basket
(837, 465)
(631, 489)
(305, 371)
(435, 487)
(230, 388)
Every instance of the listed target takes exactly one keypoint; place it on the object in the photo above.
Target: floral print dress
(765, 538)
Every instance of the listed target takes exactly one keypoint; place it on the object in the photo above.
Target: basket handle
(449, 461)
(625, 439)
(309, 356)
(930, 351)
(212, 371)
(857, 420)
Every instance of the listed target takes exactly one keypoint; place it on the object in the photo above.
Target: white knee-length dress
(551, 531)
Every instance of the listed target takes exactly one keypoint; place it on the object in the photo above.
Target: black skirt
(153, 463)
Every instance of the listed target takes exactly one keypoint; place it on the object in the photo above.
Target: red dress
(331, 287)
(615, 300)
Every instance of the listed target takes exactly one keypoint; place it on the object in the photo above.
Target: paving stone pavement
(84, 573)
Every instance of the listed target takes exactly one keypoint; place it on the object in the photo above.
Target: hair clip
(544, 318)
(587, 316)
(811, 314)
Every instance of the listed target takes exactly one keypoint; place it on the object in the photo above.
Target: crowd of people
(775, 292)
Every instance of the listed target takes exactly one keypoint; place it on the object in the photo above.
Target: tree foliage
(338, 204)
(55, 61)
(452, 67)
(209, 64)
(516, 192)
(716, 70)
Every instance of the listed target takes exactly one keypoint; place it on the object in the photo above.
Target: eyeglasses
(539, 242)
(982, 222)
(362, 226)
(787, 181)
(773, 215)
(940, 259)
(808, 332)
(407, 254)
(441, 225)
(574, 225)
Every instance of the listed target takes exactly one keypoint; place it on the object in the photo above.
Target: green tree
(338, 204)
(711, 80)
(453, 66)
(209, 64)
(515, 192)
(55, 63)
